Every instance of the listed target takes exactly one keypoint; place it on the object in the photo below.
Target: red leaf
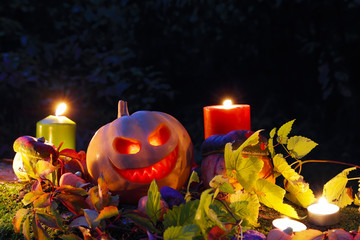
(47, 220)
(71, 190)
(216, 233)
(72, 202)
(69, 153)
(42, 201)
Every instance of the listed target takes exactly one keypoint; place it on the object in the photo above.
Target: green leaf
(284, 131)
(31, 196)
(153, 207)
(47, 220)
(251, 212)
(56, 214)
(44, 168)
(222, 183)
(181, 215)
(335, 190)
(205, 201)
(142, 221)
(18, 218)
(247, 171)
(300, 146)
(231, 157)
(244, 169)
(194, 177)
(186, 232)
(107, 212)
(272, 196)
(26, 228)
(227, 188)
(202, 212)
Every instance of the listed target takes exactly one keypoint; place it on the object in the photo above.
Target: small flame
(322, 200)
(60, 109)
(227, 103)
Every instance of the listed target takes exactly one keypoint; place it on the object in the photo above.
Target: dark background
(287, 59)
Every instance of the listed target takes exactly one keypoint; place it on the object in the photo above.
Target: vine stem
(227, 208)
(356, 178)
(330, 161)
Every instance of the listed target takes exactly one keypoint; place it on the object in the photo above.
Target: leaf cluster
(64, 209)
(299, 192)
(195, 218)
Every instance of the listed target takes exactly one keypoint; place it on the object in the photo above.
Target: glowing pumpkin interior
(156, 171)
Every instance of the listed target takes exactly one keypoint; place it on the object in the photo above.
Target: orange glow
(133, 148)
(126, 145)
(156, 171)
(159, 136)
(227, 103)
(60, 109)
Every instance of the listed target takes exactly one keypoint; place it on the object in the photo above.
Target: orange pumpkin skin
(126, 147)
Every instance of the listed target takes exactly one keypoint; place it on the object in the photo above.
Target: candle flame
(227, 103)
(322, 200)
(60, 109)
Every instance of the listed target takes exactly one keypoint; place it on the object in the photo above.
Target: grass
(9, 204)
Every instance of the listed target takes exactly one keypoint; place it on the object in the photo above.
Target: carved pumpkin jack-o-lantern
(134, 149)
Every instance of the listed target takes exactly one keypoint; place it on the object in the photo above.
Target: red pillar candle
(222, 119)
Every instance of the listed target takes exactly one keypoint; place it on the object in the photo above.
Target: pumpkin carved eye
(126, 145)
(159, 136)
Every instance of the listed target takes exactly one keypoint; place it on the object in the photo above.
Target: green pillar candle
(57, 129)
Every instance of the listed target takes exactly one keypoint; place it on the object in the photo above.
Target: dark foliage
(288, 59)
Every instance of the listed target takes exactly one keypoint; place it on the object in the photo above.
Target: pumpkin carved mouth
(156, 171)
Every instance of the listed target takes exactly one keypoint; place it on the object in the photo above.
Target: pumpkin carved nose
(126, 145)
(160, 135)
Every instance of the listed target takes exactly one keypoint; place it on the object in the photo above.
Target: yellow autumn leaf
(335, 190)
(272, 196)
(300, 146)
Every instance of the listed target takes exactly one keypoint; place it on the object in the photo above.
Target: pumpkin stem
(122, 109)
